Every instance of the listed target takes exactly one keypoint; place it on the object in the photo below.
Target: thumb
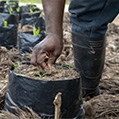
(34, 58)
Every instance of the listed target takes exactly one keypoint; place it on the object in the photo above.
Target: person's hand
(47, 51)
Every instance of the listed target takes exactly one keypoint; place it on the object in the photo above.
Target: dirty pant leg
(91, 17)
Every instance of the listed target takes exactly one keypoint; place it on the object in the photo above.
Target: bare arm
(47, 51)
(54, 15)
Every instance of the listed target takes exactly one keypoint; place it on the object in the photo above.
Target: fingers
(41, 60)
(34, 58)
(51, 61)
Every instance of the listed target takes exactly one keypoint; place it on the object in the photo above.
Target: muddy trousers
(89, 56)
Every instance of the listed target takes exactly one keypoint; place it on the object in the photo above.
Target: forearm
(54, 10)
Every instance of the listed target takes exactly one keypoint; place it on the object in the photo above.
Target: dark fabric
(91, 17)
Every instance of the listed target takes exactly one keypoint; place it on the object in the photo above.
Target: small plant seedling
(44, 74)
(67, 66)
(41, 15)
(15, 65)
(31, 11)
(38, 74)
(11, 10)
(5, 22)
(18, 9)
(20, 75)
(35, 31)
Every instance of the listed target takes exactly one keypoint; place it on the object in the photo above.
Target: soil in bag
(8, 36)
(33, 87)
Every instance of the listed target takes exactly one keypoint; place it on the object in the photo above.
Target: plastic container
(8, 36)
(39, 95)
(1, 9)
(27, 41)
(2, 3)
(37, 22)
(11, 19)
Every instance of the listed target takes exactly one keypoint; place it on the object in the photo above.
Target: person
(89, 22)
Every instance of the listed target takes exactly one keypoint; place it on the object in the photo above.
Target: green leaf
(39, 75)
(67, 66)
(44, 74)
(18, 9)
(5, 22)
(35, 31)
(41, 15)
(31, 11)
(20, 75)
(11, 10)
(15, 65)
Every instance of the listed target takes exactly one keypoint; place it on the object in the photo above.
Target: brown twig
(57, 102)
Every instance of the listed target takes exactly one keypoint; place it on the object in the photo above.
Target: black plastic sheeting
(1, 9)
(27, 8)
(2, 3)
(8, 36)
(27, 40)
(7, 7)
(37, 22)
(39, 95)
(30, 15)
(13, 2)
(11, 19)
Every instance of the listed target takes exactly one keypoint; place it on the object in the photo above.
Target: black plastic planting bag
(1, 9)
(27, 40)
(13, 2)
(37, 22)
(24, 9)
(8, 36)
(39, 95)
(11, 19)
(11, 9)
(2, 3)
(30, 15)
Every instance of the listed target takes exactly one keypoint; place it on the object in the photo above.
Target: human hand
(47, 51)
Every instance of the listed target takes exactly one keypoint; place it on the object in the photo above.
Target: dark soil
(56, 72)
